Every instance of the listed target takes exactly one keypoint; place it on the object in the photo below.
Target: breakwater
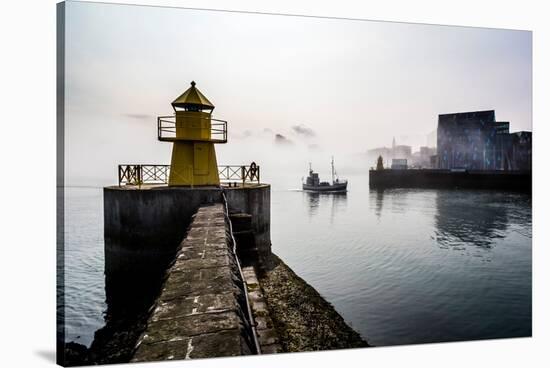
(520, 181)
(202, 310)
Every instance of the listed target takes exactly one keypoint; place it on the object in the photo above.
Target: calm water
(84, 278)
(401, 266)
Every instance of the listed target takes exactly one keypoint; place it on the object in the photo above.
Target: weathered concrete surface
(200, 311)
(255, 201)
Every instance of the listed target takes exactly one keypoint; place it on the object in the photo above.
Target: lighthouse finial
(193, 83)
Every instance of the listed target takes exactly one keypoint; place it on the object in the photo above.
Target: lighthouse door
(201, 158)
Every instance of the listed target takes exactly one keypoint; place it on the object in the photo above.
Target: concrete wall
(255, 201)
(495, 180)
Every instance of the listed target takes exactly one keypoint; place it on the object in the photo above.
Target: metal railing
(143, 174)
(166, 130)
(137, 174)
(244, 174)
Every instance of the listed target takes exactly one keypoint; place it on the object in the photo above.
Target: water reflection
(314, 201)
(378, 201)
(460, 218)
(470, 218)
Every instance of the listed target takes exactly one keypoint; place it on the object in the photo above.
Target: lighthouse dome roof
(193, 98)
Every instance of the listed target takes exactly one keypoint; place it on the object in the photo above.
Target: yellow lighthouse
(193, 132)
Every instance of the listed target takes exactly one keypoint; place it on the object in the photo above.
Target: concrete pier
(201, 311)
(519, 181)
(145, 224)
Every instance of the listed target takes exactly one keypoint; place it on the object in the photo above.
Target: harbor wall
(255, 201)
(520, 181)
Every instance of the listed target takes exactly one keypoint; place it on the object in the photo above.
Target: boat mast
(332, 165)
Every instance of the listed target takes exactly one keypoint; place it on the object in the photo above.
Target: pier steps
(267, 336)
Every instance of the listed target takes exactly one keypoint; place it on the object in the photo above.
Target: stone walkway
(200, 312)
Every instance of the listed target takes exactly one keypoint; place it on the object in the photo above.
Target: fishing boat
(315, 185)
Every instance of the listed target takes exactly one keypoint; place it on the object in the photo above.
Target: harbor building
(402, 152)
(522, 150)
(467, 140)
(476, 141)
(399, 164)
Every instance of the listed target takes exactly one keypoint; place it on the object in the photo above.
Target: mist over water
(401, 266)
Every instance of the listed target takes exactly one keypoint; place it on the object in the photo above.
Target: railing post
(243, 174)
(159, 128)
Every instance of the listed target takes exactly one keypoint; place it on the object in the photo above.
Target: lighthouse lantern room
(193, 132)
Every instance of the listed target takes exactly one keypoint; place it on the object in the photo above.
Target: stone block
(181, 307)
(179, 328)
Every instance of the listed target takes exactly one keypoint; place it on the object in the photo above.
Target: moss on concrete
(304, 320)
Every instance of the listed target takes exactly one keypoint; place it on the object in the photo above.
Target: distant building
(402, 151)
(425, 154)
(434, 163)
(522, 150)
(476, 141)
(399, 164)
(417, 159)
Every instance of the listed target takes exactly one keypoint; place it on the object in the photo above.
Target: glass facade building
(476, 141)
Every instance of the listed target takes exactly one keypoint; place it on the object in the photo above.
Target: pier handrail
(166, 130)
(133, 174)
(248, 308)
(138, 174)
(242, 173)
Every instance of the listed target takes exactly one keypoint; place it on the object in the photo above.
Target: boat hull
(340, 187)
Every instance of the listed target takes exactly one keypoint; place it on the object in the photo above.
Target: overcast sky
(326, 86)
